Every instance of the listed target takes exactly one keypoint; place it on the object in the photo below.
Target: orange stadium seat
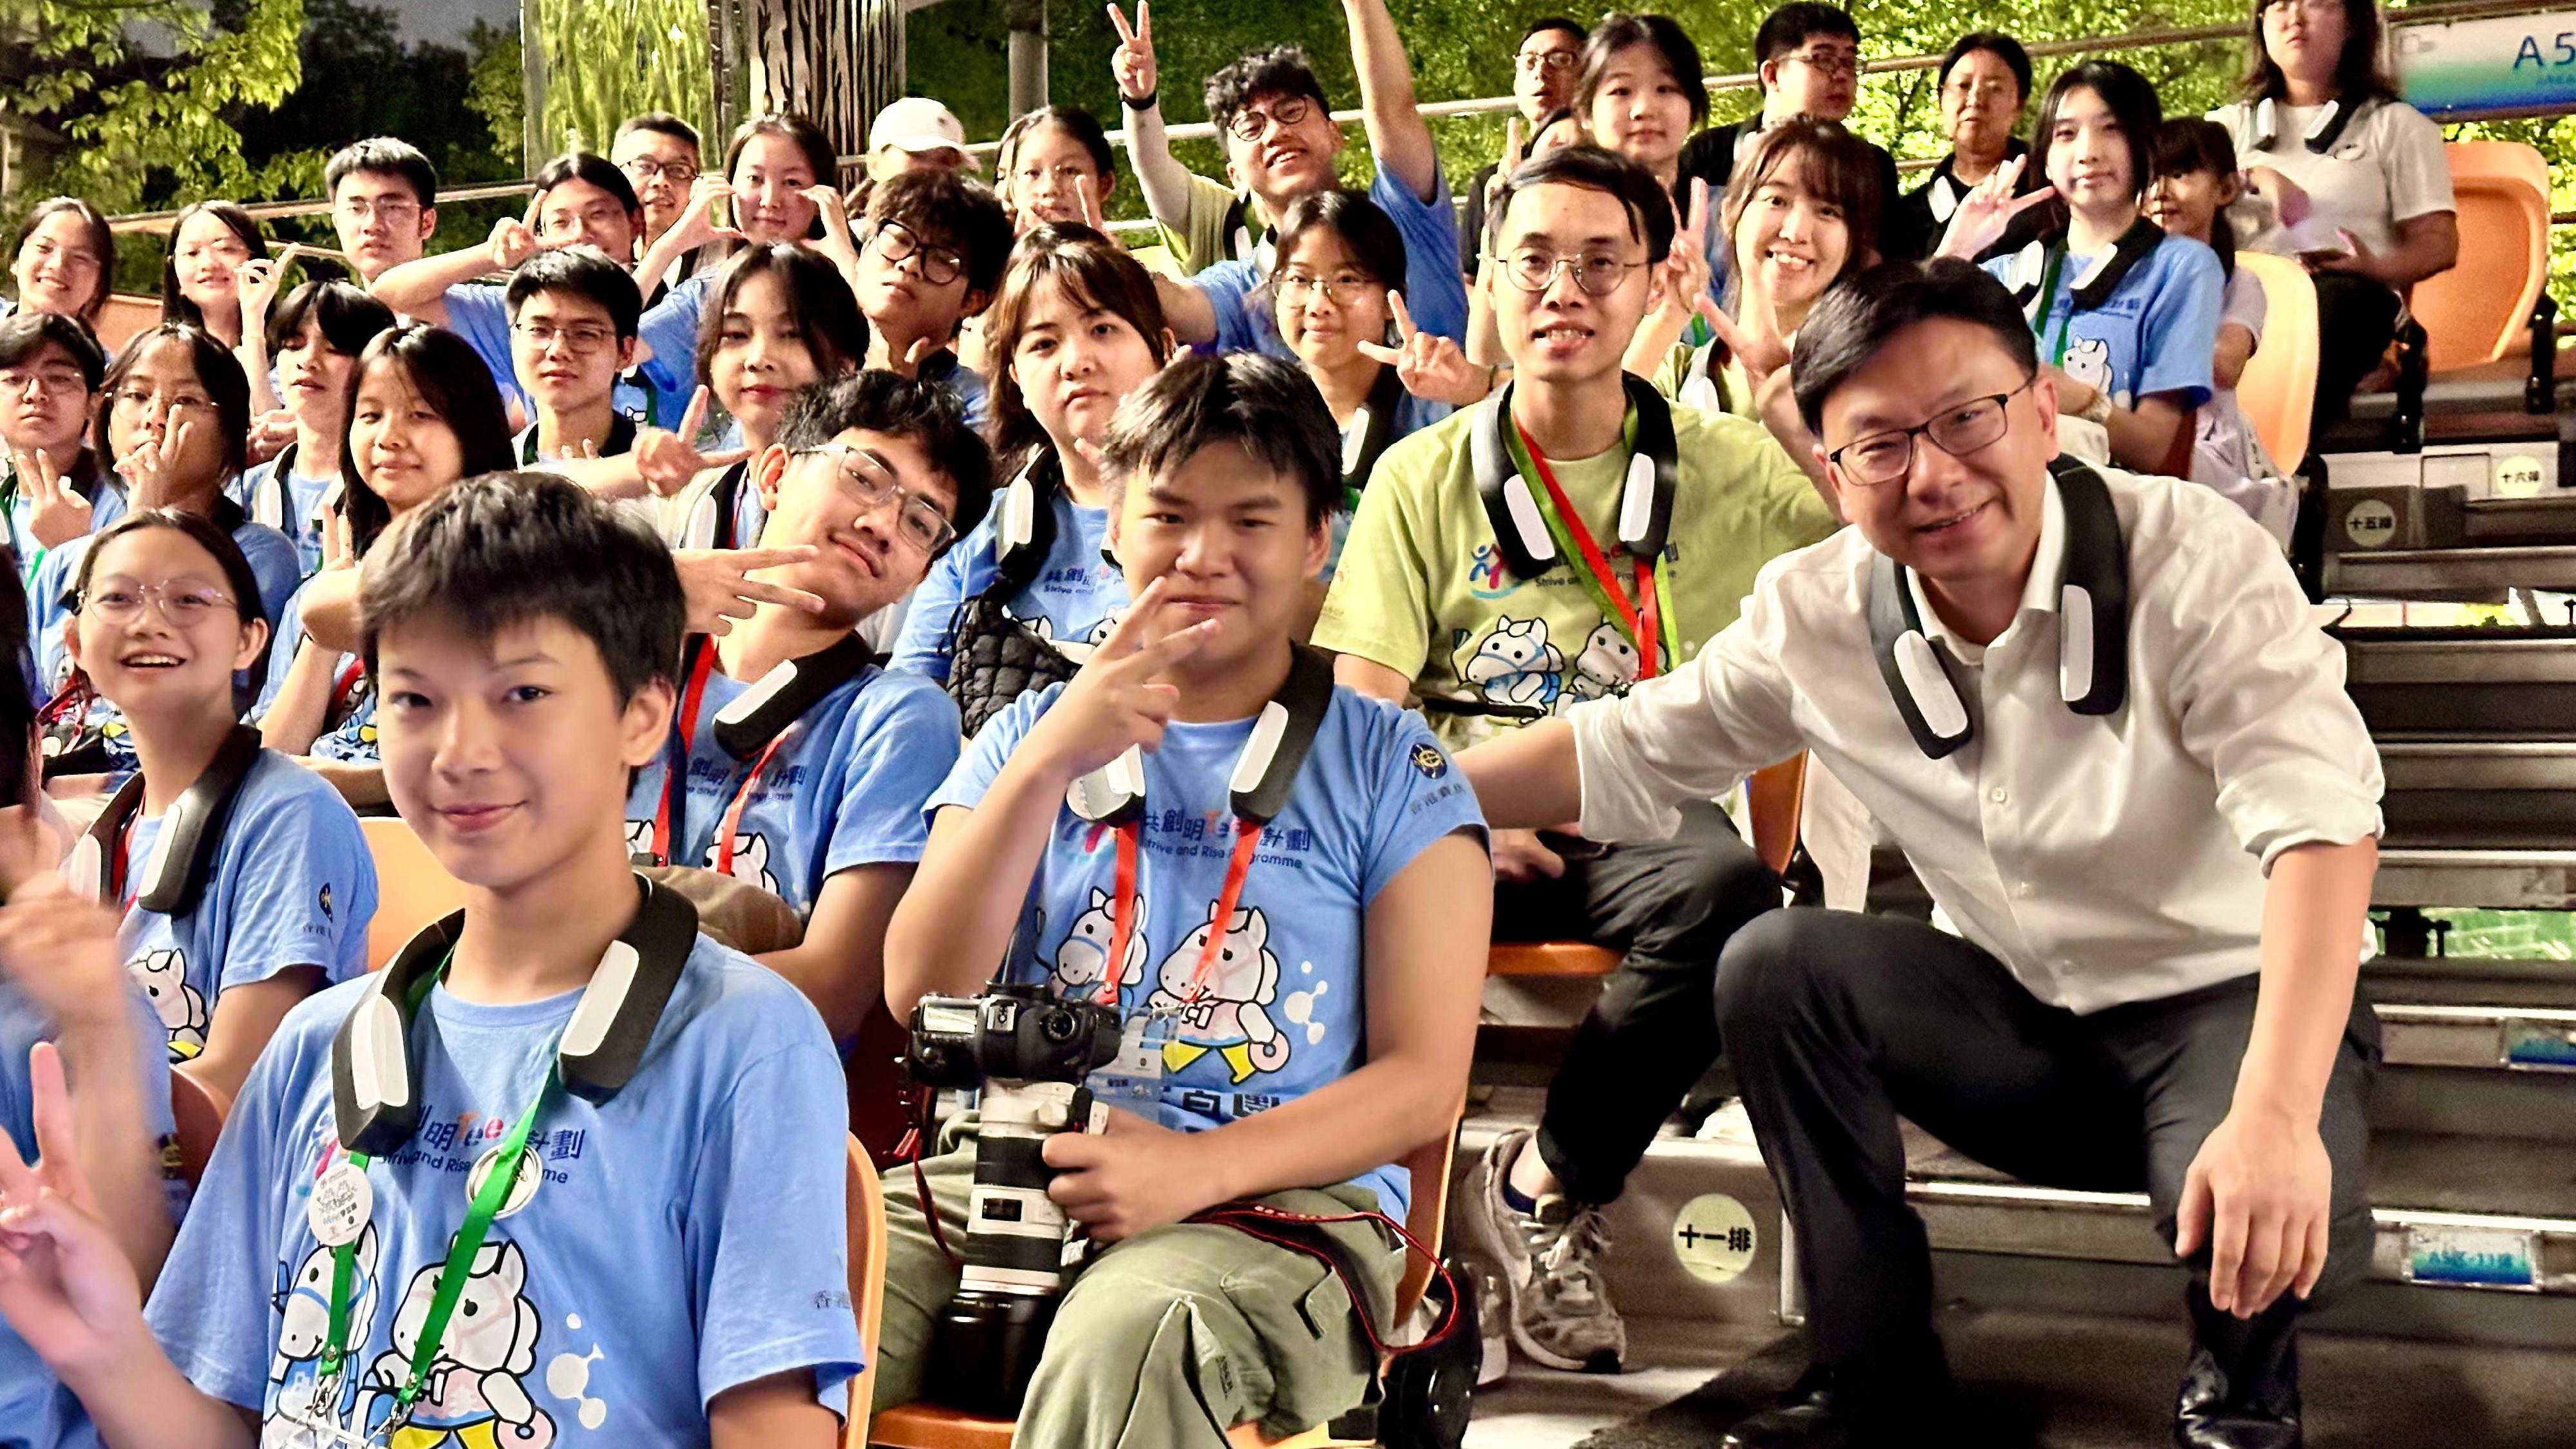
(867, 1283)
(412, 888)
(2477, 311)
(2278, 390)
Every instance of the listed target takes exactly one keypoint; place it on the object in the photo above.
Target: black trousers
(1670, 906)
(2356, 320)
(1838, 1023)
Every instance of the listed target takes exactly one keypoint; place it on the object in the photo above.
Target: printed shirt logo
(1430, 762)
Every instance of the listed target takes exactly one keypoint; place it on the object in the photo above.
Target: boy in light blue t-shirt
(808, 763)
(1302, 989)
(666, 1260)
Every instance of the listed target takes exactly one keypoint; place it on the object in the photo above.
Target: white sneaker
(1556, 1305)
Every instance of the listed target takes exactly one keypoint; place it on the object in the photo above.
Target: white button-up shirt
(2101, 859)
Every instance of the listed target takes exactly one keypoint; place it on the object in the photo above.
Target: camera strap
(1257, 789)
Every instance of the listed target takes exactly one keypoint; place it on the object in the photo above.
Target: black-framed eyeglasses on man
(1958, 430)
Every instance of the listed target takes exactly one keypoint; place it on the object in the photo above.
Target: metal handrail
(2435, 12)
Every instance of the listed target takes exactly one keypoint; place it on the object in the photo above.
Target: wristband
(2098, 410)
(1144, 102)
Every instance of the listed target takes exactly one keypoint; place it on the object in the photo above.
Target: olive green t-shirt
(1423, 590)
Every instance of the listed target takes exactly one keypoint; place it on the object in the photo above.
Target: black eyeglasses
(1961, 429)
(939, 266)
(1248, 124)
(644, 171)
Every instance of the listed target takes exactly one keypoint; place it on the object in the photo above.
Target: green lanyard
(1668, 624)
(479, 1213)
(2048, 304)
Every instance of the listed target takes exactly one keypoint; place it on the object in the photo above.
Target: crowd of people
(777, 600)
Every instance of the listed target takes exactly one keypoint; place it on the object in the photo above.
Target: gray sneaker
(1549, 1265)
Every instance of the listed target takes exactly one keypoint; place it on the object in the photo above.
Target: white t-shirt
(2226, 452)
(2385, 168)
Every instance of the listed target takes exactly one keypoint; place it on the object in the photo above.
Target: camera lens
(1057, 1025)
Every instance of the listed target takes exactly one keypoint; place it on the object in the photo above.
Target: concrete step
(2505, 880)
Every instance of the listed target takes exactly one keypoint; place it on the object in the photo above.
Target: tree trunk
(835, 62)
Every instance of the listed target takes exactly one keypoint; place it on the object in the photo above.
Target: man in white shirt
(2094, 714)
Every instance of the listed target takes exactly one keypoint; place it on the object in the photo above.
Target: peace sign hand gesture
(147, 467)
(66, 1285)
(1429, 365)
(62, 514)
(1685, 267)
(668, 460)
(1988, 208)
(513, 240)
(1132, 65)
(1116, 702)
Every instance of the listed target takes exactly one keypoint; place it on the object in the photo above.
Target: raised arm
(1159, 174)
(418, 289)
(1396, 130)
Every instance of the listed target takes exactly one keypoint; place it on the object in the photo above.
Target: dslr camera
(1028, 1052)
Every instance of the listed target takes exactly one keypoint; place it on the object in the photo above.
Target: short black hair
(175, 307)
(451, 377)
(1546, 23)
(818, 297)
(1995, 43)
(384, 155)
(1649, 205)
(218, 371)
(928, 413)
(342, 312)
(1363, 227)
(588, 166)
(1787, 28)
(660, 123)
(581, 272)
(1282, 70)
(1660, 33)
(24, 333)
(102, 240)
(2132, 101)
(1859, 315)
(946, 209)
(512, 548)
(1268, 408)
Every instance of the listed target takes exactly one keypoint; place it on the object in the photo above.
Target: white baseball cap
(917, 124)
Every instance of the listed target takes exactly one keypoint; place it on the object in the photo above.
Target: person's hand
(1988, 208)
(260, 279)
(2289, 200)
(2356, 258)
(1504, 165)
(2073, 396)
(62, 514)
(835, 244)
(1091, 216)
(57, 946)
(1132, 64)
(909, 364)
(270, 432)
(66, 1286)
(720, 589)
(513, 240)
(147, 466)
(1684, 270)
(1429, 365)
(339, 541)
(2258, 1195)
(668, 460)
(1131, 1176)
(697, 226)
(1520, 859)
(1761, 353)
(1115, 702)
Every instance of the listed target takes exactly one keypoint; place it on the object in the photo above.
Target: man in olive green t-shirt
(1426, 603)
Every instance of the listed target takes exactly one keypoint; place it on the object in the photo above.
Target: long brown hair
(2358, 73)
(1836, 166)
(1096, 272)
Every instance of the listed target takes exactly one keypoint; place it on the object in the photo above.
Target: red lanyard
(675, 782)
(1247, 839)
(742, 797)
(117, 871)
(347, 684)
(1638, 618)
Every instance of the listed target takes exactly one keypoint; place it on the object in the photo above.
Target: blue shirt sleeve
(924, 647)
(275, 563)
(2178, 336)
(477, 312)
(671, 331)
(983, 757)
(772, 1165)
(1229, 286)
(299, 886)
(904, 747)
(1434, 289)
(1421, 796)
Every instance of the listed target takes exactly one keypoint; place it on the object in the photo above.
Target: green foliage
(160, 120)
(610, 59)
(495, 89)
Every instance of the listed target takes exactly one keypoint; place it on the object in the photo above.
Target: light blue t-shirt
(1434, 289)
(1078, 595)
(670, 332)
(291, 884)
(296, 504)
(272, 561)
(1285, 1011)
(36, 1412)
(967, 386)
(480, 313)
(2155, 333)
(844, 790)
(688, 1235)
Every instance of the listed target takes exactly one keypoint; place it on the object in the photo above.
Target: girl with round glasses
(165, 626)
